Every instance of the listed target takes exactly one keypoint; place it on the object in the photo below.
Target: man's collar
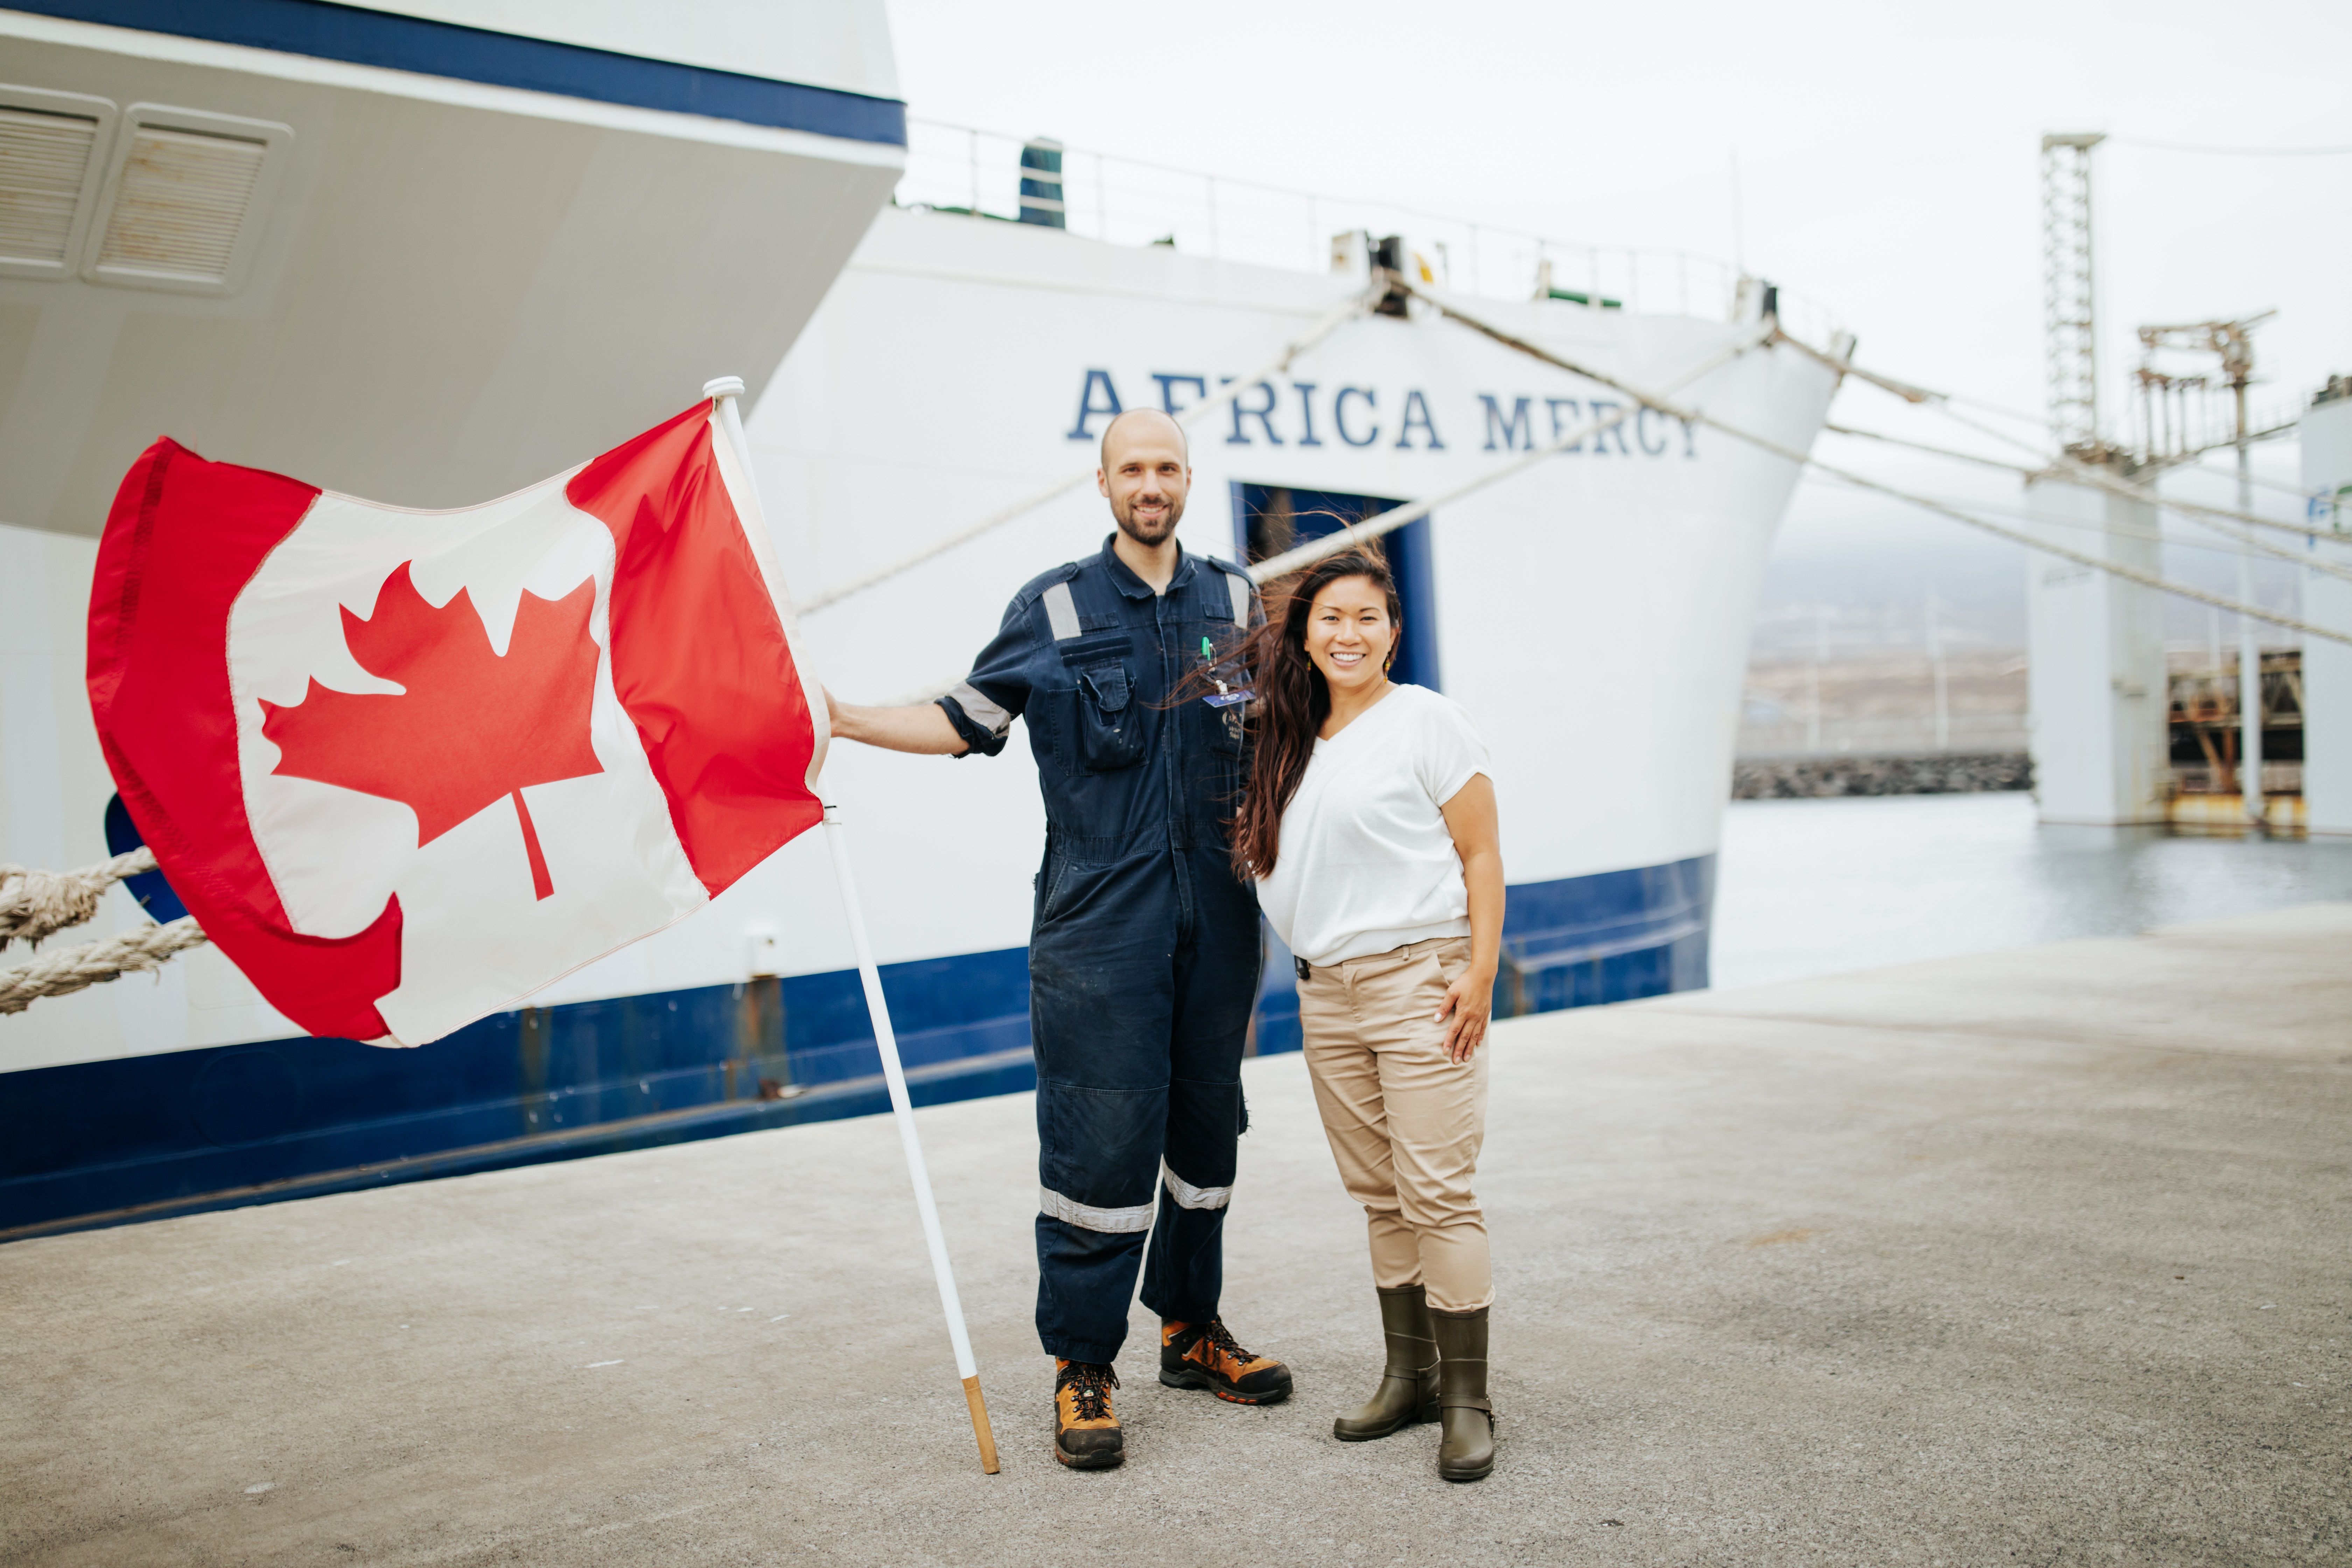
(1133, 586)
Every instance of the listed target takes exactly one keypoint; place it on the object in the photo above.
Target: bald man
(1143, 946)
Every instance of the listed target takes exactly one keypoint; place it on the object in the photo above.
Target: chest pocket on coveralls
(1109, 725)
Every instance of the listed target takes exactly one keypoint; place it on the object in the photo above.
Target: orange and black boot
(1203, 1355)
(1085, 1434)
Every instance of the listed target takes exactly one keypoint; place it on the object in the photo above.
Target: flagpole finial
(724, 386)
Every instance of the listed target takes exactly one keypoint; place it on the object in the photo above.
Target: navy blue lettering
(1559, 425)
(1690, 437)
(1340, 414)
(1602, 408)
(1519, 431)
(1642, 417)
(1167, 389)
(1306, 412)
(1088, 407)
(1414, 400)
(1264, 416)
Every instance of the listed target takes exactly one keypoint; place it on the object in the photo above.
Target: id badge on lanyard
(1224, 696)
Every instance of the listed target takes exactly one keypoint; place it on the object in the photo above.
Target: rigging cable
(1388, 521)
(2232, 152)
(2082, 472)
(1763, 443)
(2153, 536)
(1331, 322)
(1943, 403)
(2242, 536)
(1398, 516)
(38, 904)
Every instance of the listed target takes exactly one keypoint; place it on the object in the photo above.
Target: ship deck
(2030, 1255)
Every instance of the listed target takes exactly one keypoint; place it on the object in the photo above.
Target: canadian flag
(407, 767)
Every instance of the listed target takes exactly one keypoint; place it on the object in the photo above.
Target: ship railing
(1128, 201)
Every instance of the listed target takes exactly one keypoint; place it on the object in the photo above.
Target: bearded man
(1143, 949)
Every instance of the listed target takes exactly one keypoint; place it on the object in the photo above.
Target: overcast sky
(1888, 153)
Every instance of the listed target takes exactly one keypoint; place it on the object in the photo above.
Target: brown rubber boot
(1408, 1390)
(1203, 1355)
(1085, 1434)
(1467, 1451)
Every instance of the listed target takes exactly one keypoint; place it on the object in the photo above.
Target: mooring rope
(1378, 523)
(1388, 522)
(1765, 443)
(37, 904)
(70, 969)
(2095, 525)
(1332, 322)
(2240, 535)
(2074, 467)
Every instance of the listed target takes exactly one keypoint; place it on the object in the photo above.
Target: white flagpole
(895, 1075)
(724, 391)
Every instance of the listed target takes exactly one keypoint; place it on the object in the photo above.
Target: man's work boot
(1203, 1355)
(1408, 1390)
(1085, 1434)
(1466, 1450)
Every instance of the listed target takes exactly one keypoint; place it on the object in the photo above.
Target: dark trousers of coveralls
(1143, 969)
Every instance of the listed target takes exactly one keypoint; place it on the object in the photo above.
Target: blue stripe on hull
(138, 1138)
(1576, 943)
(357, 37)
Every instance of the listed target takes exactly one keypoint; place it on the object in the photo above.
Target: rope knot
(38, 904)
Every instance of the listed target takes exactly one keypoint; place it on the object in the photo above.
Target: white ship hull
(1593, 615)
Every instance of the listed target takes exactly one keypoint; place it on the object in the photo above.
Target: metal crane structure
(2107, 713)
(2178, 421)
(2173, 437)
(2069, 307)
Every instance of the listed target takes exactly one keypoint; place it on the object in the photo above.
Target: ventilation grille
(44, 159)
(180, 203)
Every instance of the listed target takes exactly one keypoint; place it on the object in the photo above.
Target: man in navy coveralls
(1143, 948)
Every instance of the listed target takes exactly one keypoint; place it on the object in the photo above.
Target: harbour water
(1810, 887)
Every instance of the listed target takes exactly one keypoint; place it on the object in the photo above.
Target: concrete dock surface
(2041, 1256)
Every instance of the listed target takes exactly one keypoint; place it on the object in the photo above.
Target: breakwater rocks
(1807, 778)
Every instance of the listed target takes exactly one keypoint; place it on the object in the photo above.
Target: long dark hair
(1293, 700)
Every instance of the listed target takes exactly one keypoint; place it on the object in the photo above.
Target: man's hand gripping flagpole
(725, 391)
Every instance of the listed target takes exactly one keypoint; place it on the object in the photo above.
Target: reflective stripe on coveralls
(1110, 1221)
(1188, 1196)
(1139, 1217)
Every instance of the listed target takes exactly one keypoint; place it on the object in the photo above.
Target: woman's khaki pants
(1405, 1122)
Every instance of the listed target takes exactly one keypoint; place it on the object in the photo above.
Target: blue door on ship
(1271, 519)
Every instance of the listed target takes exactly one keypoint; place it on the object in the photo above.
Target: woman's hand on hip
(1468, 1007)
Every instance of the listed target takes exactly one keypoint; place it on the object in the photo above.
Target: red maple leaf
(470, 727)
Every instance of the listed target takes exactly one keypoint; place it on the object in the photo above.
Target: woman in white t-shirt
(1369, 826)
